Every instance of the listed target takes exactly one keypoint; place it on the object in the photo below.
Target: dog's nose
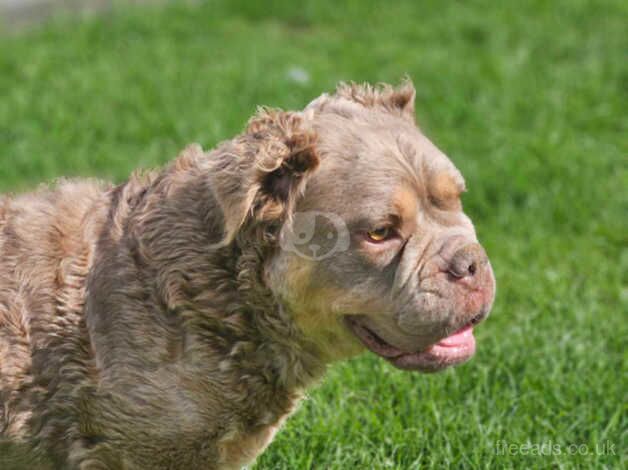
(467, 261)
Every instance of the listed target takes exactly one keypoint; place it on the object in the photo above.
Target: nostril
(466, 269)
(472, 268)
(477, 319)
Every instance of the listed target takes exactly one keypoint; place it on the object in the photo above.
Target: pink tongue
(460, 337)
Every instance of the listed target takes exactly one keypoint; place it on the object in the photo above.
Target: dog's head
(372, 246)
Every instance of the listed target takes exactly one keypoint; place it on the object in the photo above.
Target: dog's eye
(380, 234)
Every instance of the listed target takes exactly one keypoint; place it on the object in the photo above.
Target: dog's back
(46, 239)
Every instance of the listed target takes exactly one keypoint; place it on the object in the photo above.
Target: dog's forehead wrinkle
(434, 161)
(380, 144)
(411, 161)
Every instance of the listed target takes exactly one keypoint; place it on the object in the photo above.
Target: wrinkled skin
(398, 297)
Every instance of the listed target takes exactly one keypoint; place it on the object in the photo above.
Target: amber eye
(380, 234)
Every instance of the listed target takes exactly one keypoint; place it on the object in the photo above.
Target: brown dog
(174, 321)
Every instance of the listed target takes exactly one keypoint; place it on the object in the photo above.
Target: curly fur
(135, 328)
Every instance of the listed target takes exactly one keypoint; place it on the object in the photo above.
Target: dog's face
(379, 249)
(374, 248)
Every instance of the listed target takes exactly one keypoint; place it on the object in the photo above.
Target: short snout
(471, 276)
(435, 328)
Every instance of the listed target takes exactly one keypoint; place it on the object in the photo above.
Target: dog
(175, 321)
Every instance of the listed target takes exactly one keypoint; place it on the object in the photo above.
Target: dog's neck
(293, 358)
(213, 302)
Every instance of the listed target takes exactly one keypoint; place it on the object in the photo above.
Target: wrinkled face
(379, 253)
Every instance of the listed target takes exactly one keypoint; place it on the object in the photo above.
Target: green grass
(528, 98)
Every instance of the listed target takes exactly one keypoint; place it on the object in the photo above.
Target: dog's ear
(403, 98)
(399, 100)
(257, 177)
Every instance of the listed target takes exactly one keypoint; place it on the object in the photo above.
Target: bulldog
(175, 320)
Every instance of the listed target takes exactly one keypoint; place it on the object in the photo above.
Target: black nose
(467, 261)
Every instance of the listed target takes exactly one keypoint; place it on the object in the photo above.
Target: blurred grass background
(529, 100)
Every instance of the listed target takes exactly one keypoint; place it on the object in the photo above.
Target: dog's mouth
(451, 350)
